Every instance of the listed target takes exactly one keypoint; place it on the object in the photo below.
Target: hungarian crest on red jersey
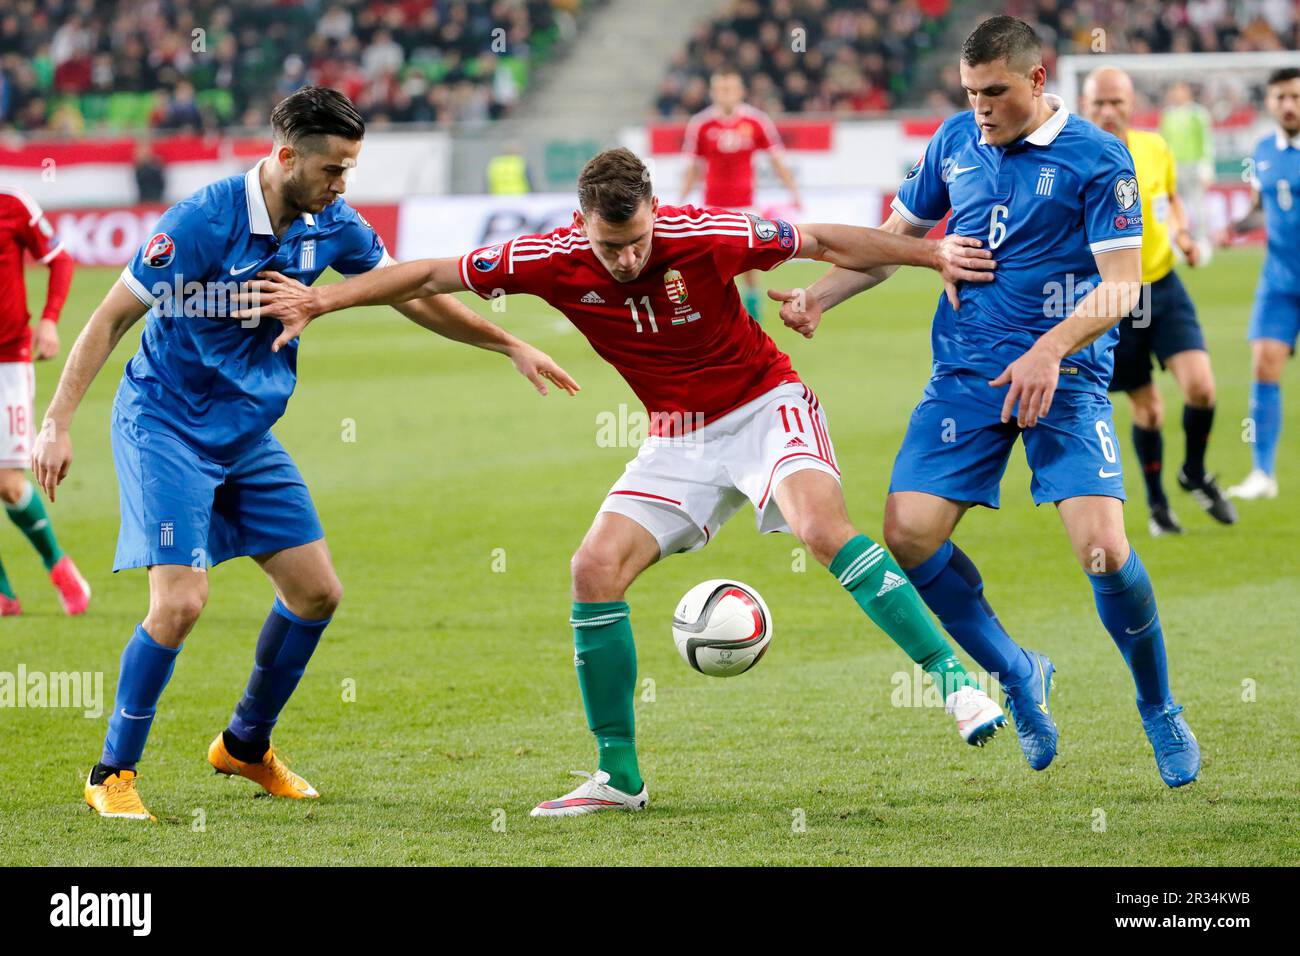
(676, 287)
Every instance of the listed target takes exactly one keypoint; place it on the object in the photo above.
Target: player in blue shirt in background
(201, 477)
(1027, 355)
(1275, 320)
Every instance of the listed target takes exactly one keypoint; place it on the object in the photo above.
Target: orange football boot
(116, 797)
(270, 774)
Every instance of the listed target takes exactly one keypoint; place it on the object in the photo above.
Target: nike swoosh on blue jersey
(240, 272)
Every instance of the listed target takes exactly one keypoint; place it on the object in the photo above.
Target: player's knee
(321, 599)
(13, 485)
(173, 616)
(597, 573)
(1148, 410)
(1267, 363)
(1200, 392)
(825, 539)
(1103, 551)
(910, 542)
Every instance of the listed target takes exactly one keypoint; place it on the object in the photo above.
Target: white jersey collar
(1045, 134)
(259, 219)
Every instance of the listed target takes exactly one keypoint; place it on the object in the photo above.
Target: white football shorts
(17, 393)
(684, 489)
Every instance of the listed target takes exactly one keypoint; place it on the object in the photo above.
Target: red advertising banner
(110, 236)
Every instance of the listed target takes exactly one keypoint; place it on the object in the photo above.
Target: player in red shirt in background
(723, 139)
(24, 229)
(651, 287)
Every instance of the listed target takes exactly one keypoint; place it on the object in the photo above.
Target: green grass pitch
(459, 659)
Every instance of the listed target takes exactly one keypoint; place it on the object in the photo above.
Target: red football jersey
(23, 229)
(727, 145)
(677, 333)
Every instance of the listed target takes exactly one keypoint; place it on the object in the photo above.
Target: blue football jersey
(1045, 205)
(1276, 174)
(210, 379)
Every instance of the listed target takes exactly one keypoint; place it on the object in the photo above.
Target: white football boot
(1254, 486)
(592, 795)
(978, 715)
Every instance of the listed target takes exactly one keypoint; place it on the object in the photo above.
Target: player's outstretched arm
(1033, 377)
(276, 296)
(956, 258)
(452, 319)
(52, 453)
(801, 309)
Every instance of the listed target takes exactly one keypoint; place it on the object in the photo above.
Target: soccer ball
(722, 628)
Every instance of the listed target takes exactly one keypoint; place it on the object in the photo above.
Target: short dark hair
(613, 185)
(1003, 38)
(315, 111)
(1283, 75)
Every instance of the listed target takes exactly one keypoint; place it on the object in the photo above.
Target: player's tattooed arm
(452, 319)
(52, 452)
(276, 296)
(1032, 378)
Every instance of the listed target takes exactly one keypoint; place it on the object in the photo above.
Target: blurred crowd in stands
(73, 66)
(69, 67)
(807, 56)
(865, 56)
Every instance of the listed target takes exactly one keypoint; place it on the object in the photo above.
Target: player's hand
(51, 457)
(962, 259)
(273, 295)
(1189, 247)
(45, 343)
(799, 310)
(539, 368)
(1033, 378)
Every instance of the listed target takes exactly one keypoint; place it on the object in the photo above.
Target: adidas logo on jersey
(892, 581)
(796, 442)
(592, 298)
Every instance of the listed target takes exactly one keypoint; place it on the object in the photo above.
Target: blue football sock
(1266, 411)
(144, 672)
(283, 649)
(1127, 607)
(951, 585)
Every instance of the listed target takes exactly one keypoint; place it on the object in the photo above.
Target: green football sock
(605, 659)
(752, 300)
(882, 589)
(5, 587)
(28, 513)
